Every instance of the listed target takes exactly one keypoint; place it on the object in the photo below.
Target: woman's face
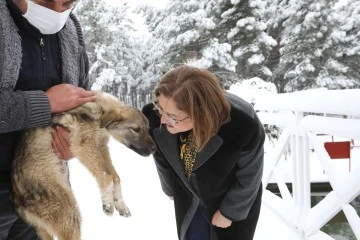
(175, 120)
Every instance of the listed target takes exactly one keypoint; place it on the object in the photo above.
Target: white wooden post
(301, 171)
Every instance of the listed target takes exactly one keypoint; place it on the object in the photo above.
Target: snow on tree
(90, 14)
(106, 77)
(221, 35)
(241, 25)
(114, 49)
(274, 16)
(215, 54)
(295, 44)
(183, 34)
(249, 89)
(342, 49)
(315, 46)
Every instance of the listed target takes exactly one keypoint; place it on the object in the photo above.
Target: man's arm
(26, 109)
(20, 110)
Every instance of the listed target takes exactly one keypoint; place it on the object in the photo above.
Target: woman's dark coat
(226, 174)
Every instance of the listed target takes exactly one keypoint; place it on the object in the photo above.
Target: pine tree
(90, 14)
(341, 49)
(241, 24)
(114, 49)
(274, 16)
(227, 37)
(182, 33)
(316, 51)
(180, 28)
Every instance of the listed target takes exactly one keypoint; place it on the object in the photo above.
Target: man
(43, 70)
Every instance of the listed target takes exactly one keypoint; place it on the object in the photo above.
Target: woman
(209, 156)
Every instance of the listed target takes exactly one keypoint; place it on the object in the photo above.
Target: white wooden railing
(291, 112)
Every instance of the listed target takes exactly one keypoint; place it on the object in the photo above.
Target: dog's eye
(136, 129)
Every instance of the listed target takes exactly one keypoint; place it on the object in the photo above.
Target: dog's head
(130, 127)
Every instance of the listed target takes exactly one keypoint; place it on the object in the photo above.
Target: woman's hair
(198, 93)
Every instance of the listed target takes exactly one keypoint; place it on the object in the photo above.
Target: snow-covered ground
(152, 211)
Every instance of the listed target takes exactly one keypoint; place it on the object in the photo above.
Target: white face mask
(46, 20)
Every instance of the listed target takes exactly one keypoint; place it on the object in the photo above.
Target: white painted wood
(340, 110)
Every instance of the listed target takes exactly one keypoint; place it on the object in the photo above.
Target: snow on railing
(299, 116)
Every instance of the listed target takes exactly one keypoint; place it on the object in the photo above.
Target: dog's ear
(110, 117)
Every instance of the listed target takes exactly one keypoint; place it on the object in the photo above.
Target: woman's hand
(60, 143)
(220, 220)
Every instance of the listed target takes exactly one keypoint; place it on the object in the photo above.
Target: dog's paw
(125, 212)
(122, 209)
(108, 208)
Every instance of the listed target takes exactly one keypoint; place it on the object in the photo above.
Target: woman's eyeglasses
(171, 120)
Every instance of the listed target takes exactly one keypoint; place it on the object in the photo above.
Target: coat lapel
(209, 149)
(168, 144)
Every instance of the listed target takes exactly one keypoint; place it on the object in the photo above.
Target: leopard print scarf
(188, 152)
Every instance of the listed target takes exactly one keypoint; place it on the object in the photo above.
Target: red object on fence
(337, 150)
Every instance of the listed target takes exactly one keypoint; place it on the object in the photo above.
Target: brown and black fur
(41, 190)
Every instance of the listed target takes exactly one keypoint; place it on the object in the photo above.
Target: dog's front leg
(118, 198)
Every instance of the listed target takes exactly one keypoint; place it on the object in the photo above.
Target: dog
(41, 191)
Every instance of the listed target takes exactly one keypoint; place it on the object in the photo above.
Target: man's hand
(64, 97)
(60, 143)
(220, 220)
